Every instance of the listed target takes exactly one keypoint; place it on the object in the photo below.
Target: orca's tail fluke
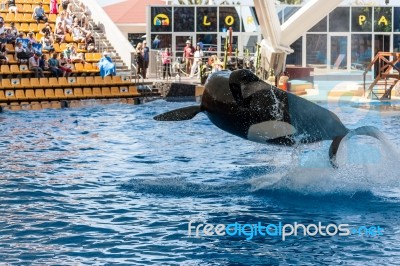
(185, 113)
(365, 130)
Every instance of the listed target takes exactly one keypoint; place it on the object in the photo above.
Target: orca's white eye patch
(267, 130)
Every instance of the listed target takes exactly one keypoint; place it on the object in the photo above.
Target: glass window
(229, 17)
(321, 26)
(383, 19)
(161, 19)
(316, 48)
(249, 44)
(295, 58)
(160, 41)
(184, 19)
(396, 20)
(396, 43)
(250, 21)
(361, 50)
(289, 11)
(206, 19)
(339, 19)
(361, 19)
(209, 42)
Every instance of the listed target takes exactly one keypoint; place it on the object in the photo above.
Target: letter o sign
(229, 20)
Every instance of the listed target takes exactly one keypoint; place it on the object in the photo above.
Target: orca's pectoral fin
(365, 130)
(185, 113)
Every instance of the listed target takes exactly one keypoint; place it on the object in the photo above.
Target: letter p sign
(361, 19)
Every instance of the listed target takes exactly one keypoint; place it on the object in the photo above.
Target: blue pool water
(109, 185)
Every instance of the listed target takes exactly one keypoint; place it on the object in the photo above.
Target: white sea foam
(365, 164)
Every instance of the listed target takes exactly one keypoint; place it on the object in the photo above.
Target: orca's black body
(240, 103)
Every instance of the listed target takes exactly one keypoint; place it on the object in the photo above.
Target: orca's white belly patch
(264, 131)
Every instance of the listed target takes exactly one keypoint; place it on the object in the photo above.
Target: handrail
(385, 67)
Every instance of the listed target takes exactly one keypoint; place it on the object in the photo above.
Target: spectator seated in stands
(59, 33)
(31, 37)
(89, 44)
(75, 56)
(106, 66)
(34, 66)
(43, 63)
(39, 14)
(47, 43)
(64, 65)
(21, 53)
(67, 51)
(53, 66)
(14, 31)
(3, 38)
(77, 34)
(64, 4)
(2, 28)
(12, 7)
(46, 29)
(68, 21)
(3, 54)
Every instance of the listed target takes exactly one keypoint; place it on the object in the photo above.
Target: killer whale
(242, 104)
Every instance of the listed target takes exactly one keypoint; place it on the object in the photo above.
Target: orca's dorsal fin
(185, 113)
(238, 80)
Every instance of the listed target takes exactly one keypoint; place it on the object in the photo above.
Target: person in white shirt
(198, 54)
(34, 65)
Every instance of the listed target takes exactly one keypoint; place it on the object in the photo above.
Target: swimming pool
(109, 185)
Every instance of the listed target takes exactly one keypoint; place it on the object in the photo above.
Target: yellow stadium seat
(133, 91)
(63, 46)
(79, 67)
(16, 83)
(71, 81)
(55, 104)
(68, 38)
(44, 82)
(52, 17)
(24, 27)
(53, 82)
(97, 92)
(18, 18)
(5, 70)
(115, 91)
(105, 91)
(30, 94)
(59, 93)
(89, 80)
(2, 96)
(89, 67)
(108, 81)
(27, 18)
(50, 93)
(63, 82)
(38, 35)
(15, 69)
(46, 8)
(34, 27)
(98, 80)
(27, 9)
(10, 48)
(87, 92)
(81, 81)
(24, 69)
(20, 94)
(78, 92)
(26, 83)
(69, 93)
(35, 83)
(45, 105)
(40, 95)
(124, 90)
(10, 95)
(11, 59)
(10, 17)
(88, 57)
(56, 47)
(96, 57)
(6, 83)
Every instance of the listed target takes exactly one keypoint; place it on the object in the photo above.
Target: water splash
(365, 165)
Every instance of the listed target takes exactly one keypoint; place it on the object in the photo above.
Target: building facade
(347, 38)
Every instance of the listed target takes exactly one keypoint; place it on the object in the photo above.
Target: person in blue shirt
(106, 66)
(156, 43)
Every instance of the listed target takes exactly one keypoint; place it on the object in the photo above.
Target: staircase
(387, 76)
(102, 44)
